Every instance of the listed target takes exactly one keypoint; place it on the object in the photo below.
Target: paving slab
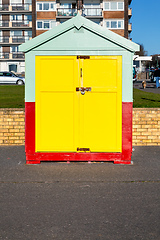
(84, 200)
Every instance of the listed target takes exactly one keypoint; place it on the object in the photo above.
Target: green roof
(78, 23)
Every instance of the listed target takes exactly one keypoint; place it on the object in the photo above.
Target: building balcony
(15, 8)
(15, 24)
(66, 12)
(129, 12)
(130, 27)
(92, 12)
(14, 40)
(12, 56)
(86, 12)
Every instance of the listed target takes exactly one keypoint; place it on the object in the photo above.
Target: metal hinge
(81, 72)
(83, 149)
(83, 57)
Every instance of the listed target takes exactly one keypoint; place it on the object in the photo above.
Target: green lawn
(143, 99)
(11, 96)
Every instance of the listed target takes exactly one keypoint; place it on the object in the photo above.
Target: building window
(114, 24)
(92, 9)
(28, 34)
(0, 20)
(14, 49)
(113, 6)
(28, 1)
(45, 24)
(15, 33)
(39, 6)
(16, 2)
(120, 6)
(28, 17)
(39, 24)
(46, 6)
(13, 67)
(16, 18)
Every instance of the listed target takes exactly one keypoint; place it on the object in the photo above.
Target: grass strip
(12, 96)
(143, 99)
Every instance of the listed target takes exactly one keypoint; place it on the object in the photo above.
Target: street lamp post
(157, 61)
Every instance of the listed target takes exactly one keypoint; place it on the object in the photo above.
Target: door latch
(83, 89)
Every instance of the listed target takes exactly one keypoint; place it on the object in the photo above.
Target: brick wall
(113, 14)
(146, 126)
(46, 15)
(118, 31)
(12, 126)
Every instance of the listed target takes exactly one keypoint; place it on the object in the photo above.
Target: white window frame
(109, 9)
(43, 22)
(114, 20)
(49, 10)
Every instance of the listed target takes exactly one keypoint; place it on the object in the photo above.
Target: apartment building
(20, 20)
(15, 29)
(112, 14)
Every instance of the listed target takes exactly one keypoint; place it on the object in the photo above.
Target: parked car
(11, 78)
(134, 74)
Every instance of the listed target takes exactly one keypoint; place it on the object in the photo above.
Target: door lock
(83, 89)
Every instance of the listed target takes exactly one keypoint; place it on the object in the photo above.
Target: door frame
(33, 157)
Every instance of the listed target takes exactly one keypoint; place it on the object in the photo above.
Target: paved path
(80, 200)
(150, 87)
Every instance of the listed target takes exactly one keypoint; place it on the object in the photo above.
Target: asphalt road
(80, 200)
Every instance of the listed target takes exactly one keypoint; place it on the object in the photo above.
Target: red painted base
(33, 157)
(114, 161)
(69, 157)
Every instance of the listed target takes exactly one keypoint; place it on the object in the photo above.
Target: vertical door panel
(56, 104)
(101, 108)
(100, 72)
(100, 122)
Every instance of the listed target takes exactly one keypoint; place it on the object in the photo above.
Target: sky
(146, 24)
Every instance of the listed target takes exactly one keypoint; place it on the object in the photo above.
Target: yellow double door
(78, 103)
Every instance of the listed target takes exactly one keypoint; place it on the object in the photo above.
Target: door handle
(83, 89)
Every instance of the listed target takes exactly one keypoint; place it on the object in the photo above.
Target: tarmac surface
(55, 200)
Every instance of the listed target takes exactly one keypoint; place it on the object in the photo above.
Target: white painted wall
(4, 66)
